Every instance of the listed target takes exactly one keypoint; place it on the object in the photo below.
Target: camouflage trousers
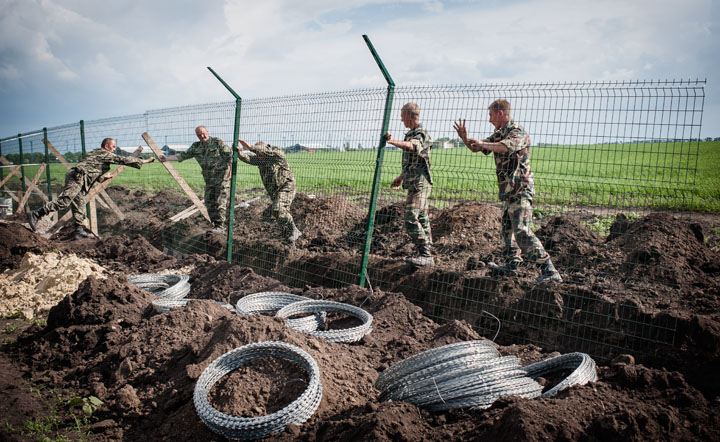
(217, 196)
(417, 221)
(280, 209)
(72, 195)
(518, 235)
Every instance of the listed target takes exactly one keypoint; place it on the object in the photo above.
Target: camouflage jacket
(417, 162)
(97, 163)
(214, 157)
(515, 179)
(274, 168)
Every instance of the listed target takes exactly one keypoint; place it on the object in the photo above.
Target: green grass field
(678, 176)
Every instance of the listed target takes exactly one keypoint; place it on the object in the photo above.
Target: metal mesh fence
(602, 152)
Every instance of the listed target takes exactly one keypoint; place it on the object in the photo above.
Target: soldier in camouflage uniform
(278, 180)
(79, 180)
(215, 159)
(510, 144)
(417, 179)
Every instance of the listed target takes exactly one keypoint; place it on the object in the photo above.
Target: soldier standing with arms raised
(510, 144)
(215, 159)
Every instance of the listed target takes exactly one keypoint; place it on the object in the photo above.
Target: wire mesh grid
(599, 150)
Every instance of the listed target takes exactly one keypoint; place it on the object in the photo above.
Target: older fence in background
(599, 149)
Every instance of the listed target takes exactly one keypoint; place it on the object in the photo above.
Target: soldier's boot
(81, 233)
(548, 273)
(218, 230)
(294, 234)
(424, 257)
(34, 216)
(509, 269)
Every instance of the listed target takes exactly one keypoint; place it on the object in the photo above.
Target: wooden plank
(106, 202)
(33, 183)
(98, 187)
(93, 217)
(12, 172)
(183, 185)
(192, 210)
(5, 162)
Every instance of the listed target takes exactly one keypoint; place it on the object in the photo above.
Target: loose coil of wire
(235, 427)
(389, 378)
(271, 302)
(352, 334)
(164, 286)
(583, 365)
(469, 374)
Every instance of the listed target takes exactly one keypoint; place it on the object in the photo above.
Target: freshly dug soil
(105, 339)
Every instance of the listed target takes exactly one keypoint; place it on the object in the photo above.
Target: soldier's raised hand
(461, 129)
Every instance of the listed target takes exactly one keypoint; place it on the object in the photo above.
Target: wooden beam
(93, 218)
(183, 185)
(5, 162)
(99, 187)
(106, 202)
(12, 172)
(192, 210)
(33, 183)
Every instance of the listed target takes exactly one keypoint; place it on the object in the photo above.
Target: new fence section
(604, 154)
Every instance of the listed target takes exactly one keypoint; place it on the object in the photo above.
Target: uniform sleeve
(266, 151)
(419, 140)
(516, 140)
(252, 160)
(111, 158)
(190, 153)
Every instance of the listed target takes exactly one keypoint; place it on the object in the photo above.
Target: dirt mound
(16, 241)
(664, 248)
(129, 255)
(41, 281)
(106, 340)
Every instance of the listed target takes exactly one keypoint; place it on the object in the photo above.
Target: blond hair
(411, 109)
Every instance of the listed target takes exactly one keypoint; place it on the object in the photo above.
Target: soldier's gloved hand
(162, 158)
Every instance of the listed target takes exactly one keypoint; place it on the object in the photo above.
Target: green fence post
(378, 162)
(47, 163)
(233, 177)
(22, 168)
(2, 171)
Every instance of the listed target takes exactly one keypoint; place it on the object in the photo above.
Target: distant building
(312, 147)
(174, 149)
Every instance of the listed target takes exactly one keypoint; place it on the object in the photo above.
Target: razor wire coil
(468, 374)
(352, 334)
(271, 302)
(247, 428)
(433, 357)
(583, 365)
(164, 286)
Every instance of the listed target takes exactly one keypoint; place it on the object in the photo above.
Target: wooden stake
(188, 191)
(33, 183)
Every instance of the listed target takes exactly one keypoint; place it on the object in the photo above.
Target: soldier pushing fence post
(79, 180)
(417, 179)
(510, 144)
(278, 180)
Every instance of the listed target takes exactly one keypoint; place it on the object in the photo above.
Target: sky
(66, 60)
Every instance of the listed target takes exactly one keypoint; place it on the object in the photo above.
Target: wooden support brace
(5, 162)
(192, 210)
(33, 184)
(12, 172)
(106, 202)
(93, 217)
(183, 185)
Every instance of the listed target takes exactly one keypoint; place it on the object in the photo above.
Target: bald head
(202, 134)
